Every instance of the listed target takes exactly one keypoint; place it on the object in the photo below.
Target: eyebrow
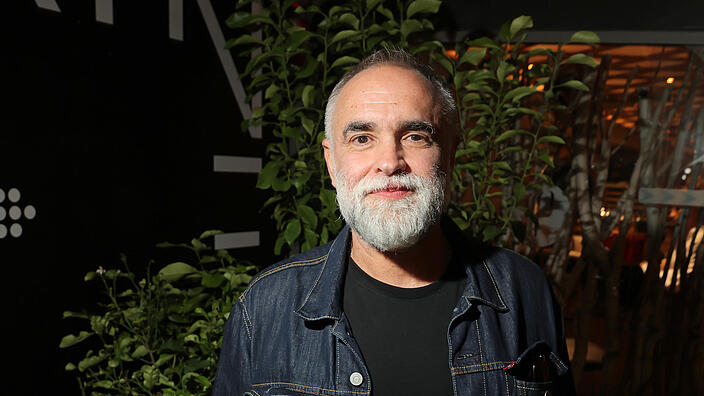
(410, 125)
(417, 125)
(358, 126)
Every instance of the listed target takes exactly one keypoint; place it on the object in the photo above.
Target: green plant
(507, 99)
(304, 52)
(161, 334)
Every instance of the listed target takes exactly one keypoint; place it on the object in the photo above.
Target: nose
(390, 160)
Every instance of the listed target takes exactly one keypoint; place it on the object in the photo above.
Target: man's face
(390, 156)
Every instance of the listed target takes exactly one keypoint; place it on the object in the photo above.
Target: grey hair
(402, 59)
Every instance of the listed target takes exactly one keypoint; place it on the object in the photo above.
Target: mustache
(405, 181)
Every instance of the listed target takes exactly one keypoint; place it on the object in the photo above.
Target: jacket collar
(324, 299)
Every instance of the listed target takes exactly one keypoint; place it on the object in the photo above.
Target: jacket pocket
(535, 370)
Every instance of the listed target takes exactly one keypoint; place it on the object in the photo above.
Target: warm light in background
(530, 66)
(540, 87)
(670, 80)
(451, 53)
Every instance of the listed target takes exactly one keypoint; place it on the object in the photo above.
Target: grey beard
(392, 225)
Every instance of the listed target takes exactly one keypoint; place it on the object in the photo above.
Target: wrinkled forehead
(391, 85)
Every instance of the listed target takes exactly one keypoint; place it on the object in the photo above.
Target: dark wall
(109, 132)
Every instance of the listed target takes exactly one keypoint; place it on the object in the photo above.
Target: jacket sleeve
(234, 368)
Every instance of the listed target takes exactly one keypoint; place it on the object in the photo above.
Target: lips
(391, 191)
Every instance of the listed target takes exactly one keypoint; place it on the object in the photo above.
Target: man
(399, 303)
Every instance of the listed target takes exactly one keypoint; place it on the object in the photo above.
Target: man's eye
(362, 139)
(416, 137)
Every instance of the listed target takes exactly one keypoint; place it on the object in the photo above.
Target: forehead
(391, 90)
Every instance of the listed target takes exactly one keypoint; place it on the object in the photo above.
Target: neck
(417, 266)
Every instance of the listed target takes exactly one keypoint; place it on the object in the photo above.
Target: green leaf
(551, 139)
(473, 56)
(308, 215)
(350, 20)
(212, 280)
(428, 6)
(89, 362)
(575, 84)
(70, 367)
(584, 37)
(517, 94)
(490, 232)
(509, 134)
(242, 40)
(343, 35)
(582, 59)
(89, 276)
(503, 70)
(410, 26)
(344, 60)
(337, 9)
(385, 12)
(209, 233)
(71, 339)
(279, 244)
(307, 95)
(238, 19)
(293, 230)
(546, 158)
(140, 351)
(296, 39)
(176, 271)
(268, 174)
(308, 125)
(372, 3)
(483, 42)
(521, 23)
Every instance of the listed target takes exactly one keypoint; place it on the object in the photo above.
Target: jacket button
(356, 379)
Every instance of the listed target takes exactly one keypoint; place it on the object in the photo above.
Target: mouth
(391, 191)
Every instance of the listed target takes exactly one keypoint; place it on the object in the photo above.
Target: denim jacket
(287, 334)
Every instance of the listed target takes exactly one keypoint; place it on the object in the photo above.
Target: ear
(327, 151)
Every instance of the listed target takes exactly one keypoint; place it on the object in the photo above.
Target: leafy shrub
(303, 52)
(161, 334)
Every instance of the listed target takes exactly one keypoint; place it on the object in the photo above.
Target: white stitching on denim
(319, 275)
(311, 387)
(300, 263)
(481, 354)
(337, 358)
(503, 304)
(247, 322)
(506, 382)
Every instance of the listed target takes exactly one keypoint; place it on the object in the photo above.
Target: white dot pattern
(16, 230)
(14, 213)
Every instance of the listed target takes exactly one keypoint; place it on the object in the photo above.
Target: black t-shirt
(402, 332)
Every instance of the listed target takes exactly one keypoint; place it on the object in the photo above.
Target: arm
(234, 368)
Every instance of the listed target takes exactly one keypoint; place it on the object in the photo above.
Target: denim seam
(491, 276)
(359, 359)
(247, 321)
(315, 284)
(452, 374)
(280, 268)
(255, 392)
(337, 362)
(481, 354)
(311, 387)
(506, 382)
(473, 368)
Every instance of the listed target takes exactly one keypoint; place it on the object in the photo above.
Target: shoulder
(510, 266)
(285, 279)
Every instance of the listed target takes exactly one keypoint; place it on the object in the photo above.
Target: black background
(109, 131)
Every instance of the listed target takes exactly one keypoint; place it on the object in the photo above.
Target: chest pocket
(535, 370)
